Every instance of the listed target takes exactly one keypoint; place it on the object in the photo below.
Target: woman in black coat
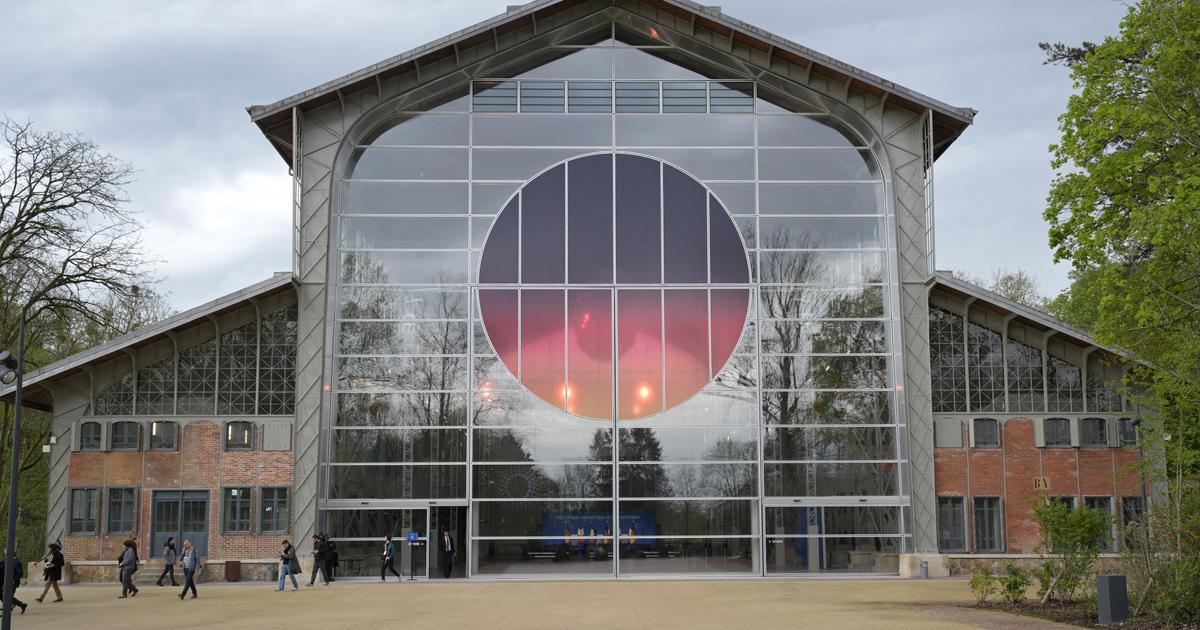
(52, 572)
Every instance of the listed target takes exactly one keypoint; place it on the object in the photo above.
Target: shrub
(1014, 583)
(1073, 539)
(1162, 557)
(983, 585)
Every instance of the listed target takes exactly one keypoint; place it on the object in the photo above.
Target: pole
(11, 539)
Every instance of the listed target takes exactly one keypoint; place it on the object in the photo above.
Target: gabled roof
(36, 395)
(275, 119)
(1039, 319)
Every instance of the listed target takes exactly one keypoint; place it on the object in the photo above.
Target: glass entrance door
(181, 515)
(838, 535)
(359, 535)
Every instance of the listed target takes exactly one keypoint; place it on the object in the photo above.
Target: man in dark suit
(448, 548)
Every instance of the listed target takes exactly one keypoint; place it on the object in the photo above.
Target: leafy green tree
(1072, 539)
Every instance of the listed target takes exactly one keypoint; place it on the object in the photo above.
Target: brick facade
(1009, 472)
(200, 463)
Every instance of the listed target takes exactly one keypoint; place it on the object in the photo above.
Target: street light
(14, 368)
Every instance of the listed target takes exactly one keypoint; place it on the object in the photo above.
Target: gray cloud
(163, 86)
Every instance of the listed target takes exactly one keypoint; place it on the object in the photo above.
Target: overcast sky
(163, 85)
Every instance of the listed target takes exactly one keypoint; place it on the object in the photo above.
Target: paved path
(607, 605)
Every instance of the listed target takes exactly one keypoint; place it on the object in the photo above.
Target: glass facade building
(616, 310)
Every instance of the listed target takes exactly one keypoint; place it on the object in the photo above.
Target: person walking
(289, 566)
(389, 557)
(331, 557)
(448, 549)
(12, 571)
(52, 566)
(127, 566)
(320, 552)
(169, 554)
(190, 561)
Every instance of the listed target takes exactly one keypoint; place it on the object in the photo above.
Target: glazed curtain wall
(627, 309)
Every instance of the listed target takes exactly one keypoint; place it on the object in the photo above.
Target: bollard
(1112, 598)
(924, 569)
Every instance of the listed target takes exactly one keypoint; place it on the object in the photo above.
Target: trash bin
(233, 571)
(1112, 598)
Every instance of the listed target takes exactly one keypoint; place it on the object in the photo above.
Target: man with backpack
(15, 572)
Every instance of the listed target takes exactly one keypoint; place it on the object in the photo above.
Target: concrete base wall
(254, 570)
(910, 565)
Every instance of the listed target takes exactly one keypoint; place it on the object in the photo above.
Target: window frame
(998, 522)
(99, 437)
(95, 516)
(1083, 432)
(109, 511)
(241, 494)
(1046, 434)
(1125, 427)
(229, 428)
(962, 523)
(174, 438)
(276, 526)
(124, 424)
(975, 433)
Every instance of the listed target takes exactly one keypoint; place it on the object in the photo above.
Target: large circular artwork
(614, 255)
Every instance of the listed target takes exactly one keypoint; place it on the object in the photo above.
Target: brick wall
(1009, 472)
(201, 463)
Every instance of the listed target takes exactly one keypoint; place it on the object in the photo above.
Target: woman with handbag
(128, 565)
(52, 572)
(289, 566)
(191, 564)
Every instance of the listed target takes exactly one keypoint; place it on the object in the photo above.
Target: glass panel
(534, 481)
(360, 558)
(633, 63)
(805, 131)
(392, 163)
(686, 349)
(830, 480)
(687, 555)
(402, 373)
(637, 97)
(688, 518)
(403, 267)
(403, 233)
(821, 302)
(401, 410)
(727, 255)
(827, 407)
(710, 164)
(833, 520)
(825, 337)
(562, 131)
(589, 353)
(830, 443)
(375, 523)
(543, 360)
(517, 164)
(397, 482)
(728, 319)
(496, 405)
(543, 217)
(445, 337)
(690, 444)
(575, 63)
(550, 519)
(408, 130)
(686, 480)
(815, 164)
(821, 267)
(579, 554)
(494, 96)
(833, 555)
(500, 262)
(589, 221)
(399, 445)
(680, 131)
(685, 227)
(543, 444)
(639, 353)
(490, 198)
(542, 96)
(498, 308)
(734, 98)
(589, 97)
(821, 198)
(638, 220)
(680, 97)
(403, 303)
(820, 233)
(824, 372)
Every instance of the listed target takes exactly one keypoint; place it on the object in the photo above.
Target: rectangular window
(731, 98)
(1133, 510)
(639, 97)
(122, 510)
(164, 436)
(989, 524)
(589, 97)
(1067, 501)
(542, 96)
(1094, 432)
(125, 436)
(85, 510)
(685, 98)
(1128, 432)
(89, 436)
(236, 506)
(239, 436)
(495, 96)
(1104, 506)
(1057, 432)
(987, 433)
(273, 516)
(951, 524)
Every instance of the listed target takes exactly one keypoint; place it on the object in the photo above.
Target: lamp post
(14, 368)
